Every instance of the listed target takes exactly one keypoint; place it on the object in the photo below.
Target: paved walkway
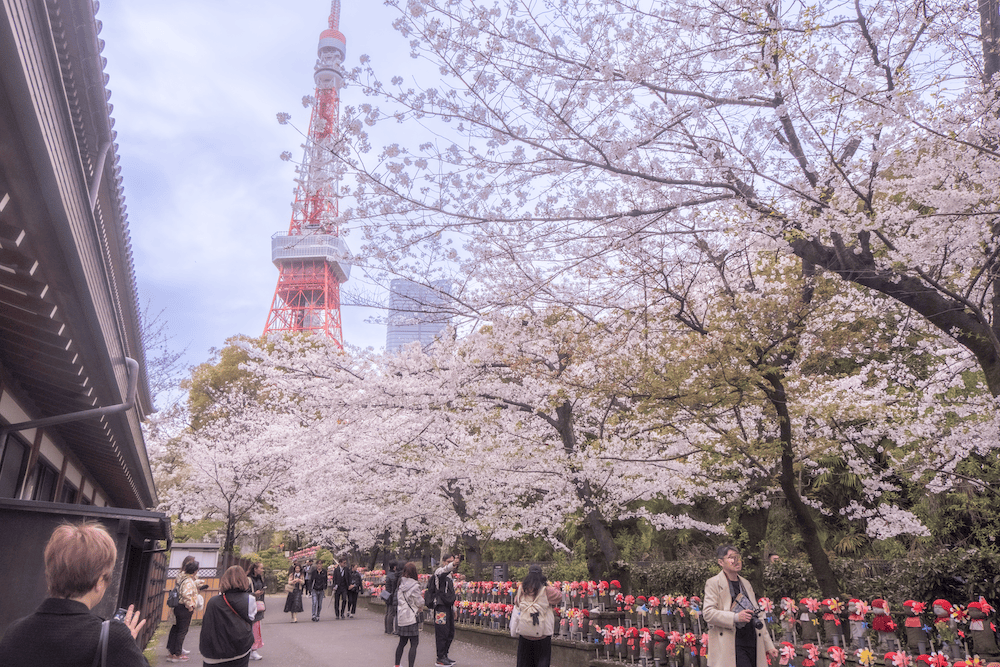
(352, 642)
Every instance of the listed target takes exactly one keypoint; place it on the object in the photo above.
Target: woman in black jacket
(79, 564)
(354, 586)
(226, 636)
(391, 584)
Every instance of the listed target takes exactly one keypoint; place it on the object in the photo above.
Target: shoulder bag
(101, 657)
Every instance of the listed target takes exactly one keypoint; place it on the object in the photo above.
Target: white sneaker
(185, 651)
(256, 656)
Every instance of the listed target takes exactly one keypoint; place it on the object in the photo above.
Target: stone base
(564, 653)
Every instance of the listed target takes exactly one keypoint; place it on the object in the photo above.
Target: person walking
(341, 580)
(391, 584)
(79, 566)
(409, 605)
(444, 609)
(257, 587)
(356, 582)
(535, 600)
(318, 582)
(226, 631)
(307, 573)
(293, 602)
(735, 635)
(187, 602)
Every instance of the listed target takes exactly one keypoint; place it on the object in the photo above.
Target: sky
(196, 86)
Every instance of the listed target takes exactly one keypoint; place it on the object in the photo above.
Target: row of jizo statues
(668, 630)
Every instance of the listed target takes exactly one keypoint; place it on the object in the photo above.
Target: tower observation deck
(312, 259)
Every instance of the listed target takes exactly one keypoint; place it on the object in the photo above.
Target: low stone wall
(564, 653)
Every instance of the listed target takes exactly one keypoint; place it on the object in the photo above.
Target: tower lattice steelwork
(312, 259)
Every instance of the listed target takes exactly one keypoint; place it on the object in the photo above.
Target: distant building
(417, 313)
(206, 553)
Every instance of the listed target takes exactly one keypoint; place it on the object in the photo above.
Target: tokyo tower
(312, 259)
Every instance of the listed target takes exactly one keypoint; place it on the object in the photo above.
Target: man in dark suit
(341, 580)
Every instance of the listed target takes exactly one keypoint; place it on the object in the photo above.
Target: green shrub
(959, 576)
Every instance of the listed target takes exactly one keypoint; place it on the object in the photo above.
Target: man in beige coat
(733, 638)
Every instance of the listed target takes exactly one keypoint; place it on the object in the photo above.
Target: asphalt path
(351, 642)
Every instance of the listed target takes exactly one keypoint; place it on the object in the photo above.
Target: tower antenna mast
(312, 259)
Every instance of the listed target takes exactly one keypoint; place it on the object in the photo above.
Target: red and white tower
(312, 259)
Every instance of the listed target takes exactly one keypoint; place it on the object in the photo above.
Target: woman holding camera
(735, 635)
(79, 563)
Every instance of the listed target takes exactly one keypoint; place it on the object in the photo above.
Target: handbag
(515, 622)
(385, 595)
(289, 588)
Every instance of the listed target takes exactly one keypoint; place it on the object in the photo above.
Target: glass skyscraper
(416, 313)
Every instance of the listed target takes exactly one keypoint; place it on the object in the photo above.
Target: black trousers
(534, 652)
(444, 632)
(352, 602)
(179, 630)
(390, 617)
(746, 656)
(339, 602)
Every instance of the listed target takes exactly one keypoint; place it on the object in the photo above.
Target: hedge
(958, 576)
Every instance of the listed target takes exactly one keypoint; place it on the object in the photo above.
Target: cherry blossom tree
(229, 454)
(569, 147)
(539, 419)
(509, 431)
(234, 467)
(794, 380)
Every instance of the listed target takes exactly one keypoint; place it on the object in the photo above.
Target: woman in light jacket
(188, 584)
(409, 603)
(293, 603)
(535, 600)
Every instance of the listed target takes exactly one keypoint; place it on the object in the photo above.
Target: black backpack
(430, 593)
(173, 597)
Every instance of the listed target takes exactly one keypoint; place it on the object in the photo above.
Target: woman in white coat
(409, 603)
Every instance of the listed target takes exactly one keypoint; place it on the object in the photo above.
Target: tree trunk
(827, 580)
(474, 554)
(754, 522)
(470, 541)
(593, 518)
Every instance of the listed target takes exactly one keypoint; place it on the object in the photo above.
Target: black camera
(755, 613)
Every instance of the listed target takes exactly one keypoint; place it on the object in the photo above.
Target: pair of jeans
(444, 629)
(317, 599)
(179, 630)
